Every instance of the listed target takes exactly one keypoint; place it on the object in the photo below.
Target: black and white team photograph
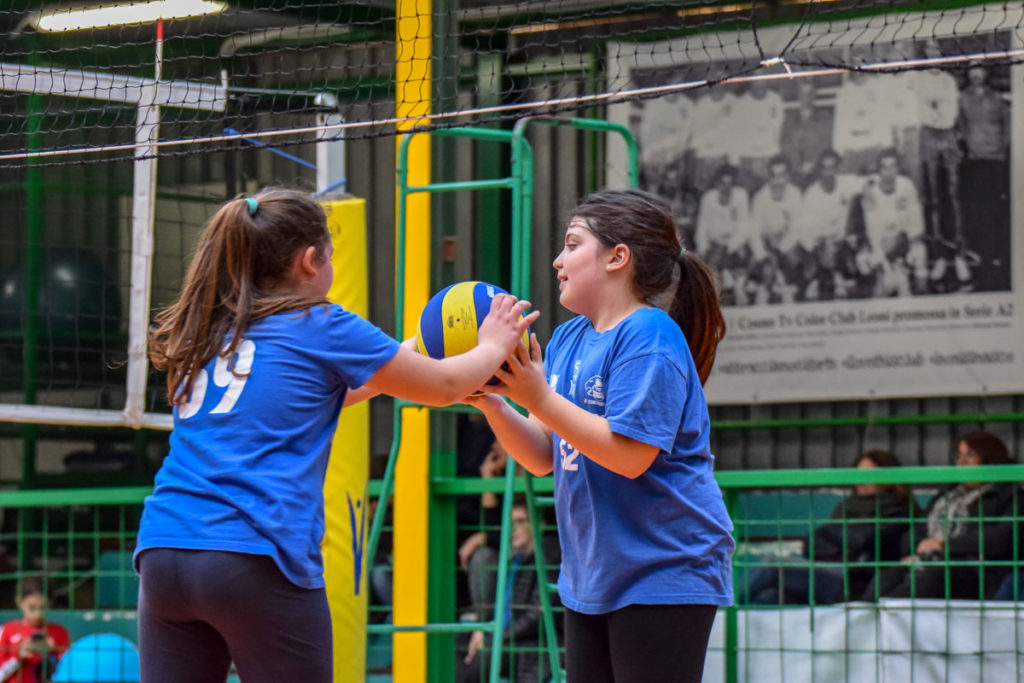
(867, 184)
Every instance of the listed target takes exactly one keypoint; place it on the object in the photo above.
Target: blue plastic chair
(99, 658)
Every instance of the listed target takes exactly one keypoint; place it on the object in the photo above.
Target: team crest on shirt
(594, 390)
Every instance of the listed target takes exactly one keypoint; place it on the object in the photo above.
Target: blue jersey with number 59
(249, 453)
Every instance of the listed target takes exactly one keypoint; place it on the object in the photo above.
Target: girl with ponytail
(258, 367)
(617, 411)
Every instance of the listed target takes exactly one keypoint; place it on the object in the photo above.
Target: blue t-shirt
(664, 537)
(248, 456)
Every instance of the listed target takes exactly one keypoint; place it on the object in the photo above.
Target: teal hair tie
(682, 252)
(253, 205)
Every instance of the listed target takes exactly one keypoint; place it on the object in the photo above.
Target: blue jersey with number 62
(662, 538)
(249, 449)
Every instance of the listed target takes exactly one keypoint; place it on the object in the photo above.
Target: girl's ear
(619, 257)
(307, 261)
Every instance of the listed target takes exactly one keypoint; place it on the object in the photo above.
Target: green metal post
(547, 613)
(441, 550)
(500, 597)
(519, 216)
(731, 653)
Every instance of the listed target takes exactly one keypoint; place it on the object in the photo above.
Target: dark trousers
(638, 644)
(199, 610)
(792, 586)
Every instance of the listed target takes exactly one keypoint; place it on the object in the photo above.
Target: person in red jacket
(30, 647)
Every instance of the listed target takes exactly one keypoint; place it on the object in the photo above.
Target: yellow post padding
(413, 46)
(345, 499)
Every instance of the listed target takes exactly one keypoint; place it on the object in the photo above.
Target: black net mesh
(706, 88)
(265, 68)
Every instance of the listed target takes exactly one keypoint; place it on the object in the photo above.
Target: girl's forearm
(592, 436)
(526, 441)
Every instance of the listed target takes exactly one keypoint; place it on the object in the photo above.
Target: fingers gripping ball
(450, 320)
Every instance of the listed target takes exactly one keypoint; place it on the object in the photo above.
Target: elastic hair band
(682, 252)
(252, 204)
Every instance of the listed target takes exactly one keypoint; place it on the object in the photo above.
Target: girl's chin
(566, 303)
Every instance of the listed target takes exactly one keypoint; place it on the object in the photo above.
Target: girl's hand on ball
(505, 322)
(486, 399)
(522, 376)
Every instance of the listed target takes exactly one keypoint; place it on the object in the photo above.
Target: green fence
(78, 542)
(859, 629)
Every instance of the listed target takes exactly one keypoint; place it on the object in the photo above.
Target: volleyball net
(90, 101)
(233, 74)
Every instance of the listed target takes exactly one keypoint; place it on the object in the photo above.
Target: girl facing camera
(30, 647)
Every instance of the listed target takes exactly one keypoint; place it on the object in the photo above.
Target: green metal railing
(77, 542)
(520, 184)
(739, 652)
(68, 532)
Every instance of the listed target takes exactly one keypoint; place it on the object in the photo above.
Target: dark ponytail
(644, 223)
(245, 251)
(696, 309)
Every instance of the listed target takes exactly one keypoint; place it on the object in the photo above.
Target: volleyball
(450, 320)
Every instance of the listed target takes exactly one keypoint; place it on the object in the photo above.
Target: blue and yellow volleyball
(450, 320)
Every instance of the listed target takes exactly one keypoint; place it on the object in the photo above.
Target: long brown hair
(884, 459)
(989, 447)
(644, 223)
(242, 256)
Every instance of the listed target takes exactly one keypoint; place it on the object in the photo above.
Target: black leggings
(638, 643)
(199, 610)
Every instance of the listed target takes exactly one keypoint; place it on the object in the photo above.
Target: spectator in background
(1013, 581)
(493, 466)
(968, 526)
(380, 567)
(522, 611)
(30, 647)
(856, 535)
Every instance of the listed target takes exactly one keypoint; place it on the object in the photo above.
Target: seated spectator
(1011, 588)
(970, 523)
(380, 566)
(30, 647)
(474, 443)
(493, 466)
(856, 535)
(522, 606)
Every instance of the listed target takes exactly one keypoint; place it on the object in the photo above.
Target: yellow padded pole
(413, 45)
(347, 522)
